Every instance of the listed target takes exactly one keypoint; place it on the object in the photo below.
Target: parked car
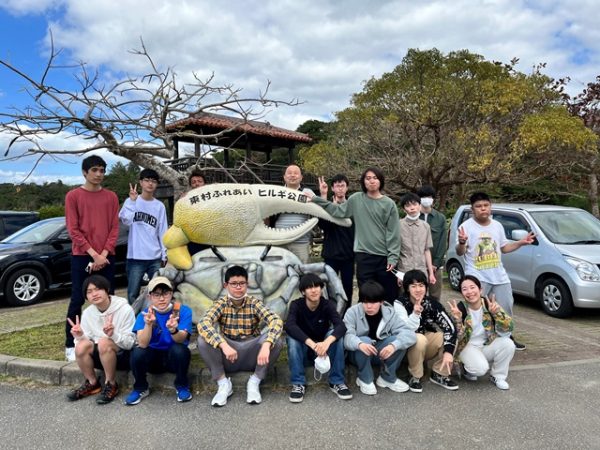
(561, 268)
(13, 221)
(38, 258)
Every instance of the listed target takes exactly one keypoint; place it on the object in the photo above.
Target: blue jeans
(363, 362)
(300, 357)
(175, 360)
(136, 268)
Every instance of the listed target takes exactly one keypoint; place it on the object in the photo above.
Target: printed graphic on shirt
(146, 218)
(486, 253)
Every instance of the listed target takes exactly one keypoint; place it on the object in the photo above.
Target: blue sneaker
(183, 394)
(135, 397)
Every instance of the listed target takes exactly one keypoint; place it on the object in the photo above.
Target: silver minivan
(561, 269)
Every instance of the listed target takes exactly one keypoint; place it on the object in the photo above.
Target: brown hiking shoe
(109, 392)
(85, 390)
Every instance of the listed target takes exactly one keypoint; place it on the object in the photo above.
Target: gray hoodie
(390, 325)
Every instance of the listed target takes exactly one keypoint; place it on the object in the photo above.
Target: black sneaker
(297, 394)
(341, 390)
(445, 382)
(85, 390)
(414, 384)
(108, 394)
(518, 346)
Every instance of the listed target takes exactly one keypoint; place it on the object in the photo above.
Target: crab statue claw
(234, 215)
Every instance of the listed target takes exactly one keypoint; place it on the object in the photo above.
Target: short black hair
(371, 292)
(409, 197)
(478, 196)
(196, 173)
(426, 191)
(473, 278)
(97, 280)
(149, 173)
(338, 178)
(92, 161)
(309, 280)
(414, 276)
(235, 271)
(378, 173)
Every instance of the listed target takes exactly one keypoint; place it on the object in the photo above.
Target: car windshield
(568, 226)
(35, 233)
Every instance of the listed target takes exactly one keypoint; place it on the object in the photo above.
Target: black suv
(13, 221)
(38, 257)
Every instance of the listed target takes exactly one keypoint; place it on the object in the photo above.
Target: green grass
(45, 342)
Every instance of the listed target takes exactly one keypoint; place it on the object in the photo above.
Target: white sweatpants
(499, 353)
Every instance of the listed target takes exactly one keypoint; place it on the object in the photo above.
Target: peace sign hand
(76, 330)
(447, 362)
(133, 194)
(418, 307)
(149, 317)
(454, 310)
(323, 188)
(493, 307)
(108, 327)
(462, 235)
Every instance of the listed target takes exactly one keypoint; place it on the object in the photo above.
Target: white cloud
(318, 51)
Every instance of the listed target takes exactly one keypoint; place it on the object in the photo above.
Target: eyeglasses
(237, 284)
(150, 180)
(165, 294)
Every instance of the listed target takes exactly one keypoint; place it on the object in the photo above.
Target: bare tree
(128, 117)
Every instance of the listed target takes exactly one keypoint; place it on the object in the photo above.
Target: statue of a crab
(273, 276)
(234, 215)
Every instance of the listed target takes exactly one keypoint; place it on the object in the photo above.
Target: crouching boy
(239, 346)
(103, 339)
(376, 335)
(315, 329)
(163, 333)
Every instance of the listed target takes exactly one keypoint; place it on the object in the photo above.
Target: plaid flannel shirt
(239, 323)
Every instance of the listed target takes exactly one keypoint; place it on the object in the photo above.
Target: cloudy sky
(319, 52)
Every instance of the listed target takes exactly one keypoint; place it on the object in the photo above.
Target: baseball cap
(157, 281)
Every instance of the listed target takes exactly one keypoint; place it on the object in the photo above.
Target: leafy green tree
(119, 177)
(453, 121)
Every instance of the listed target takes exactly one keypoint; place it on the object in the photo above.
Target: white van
(561, 269)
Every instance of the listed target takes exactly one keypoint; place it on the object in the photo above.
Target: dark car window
(510, 223)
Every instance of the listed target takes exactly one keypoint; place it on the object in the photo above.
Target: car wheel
(455, 274)
(555, 298)
(24, 287)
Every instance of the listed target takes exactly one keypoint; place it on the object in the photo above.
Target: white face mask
(415, 217)
(427, 202)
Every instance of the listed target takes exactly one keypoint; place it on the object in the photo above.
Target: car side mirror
(517, 235)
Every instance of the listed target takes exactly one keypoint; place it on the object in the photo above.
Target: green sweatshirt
(376, 222)
(437, 223)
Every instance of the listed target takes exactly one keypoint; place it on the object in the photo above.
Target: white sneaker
(396, 386)
(253, 392)
(500, 384)
(70, 354)
(223, 393)
(366, 388)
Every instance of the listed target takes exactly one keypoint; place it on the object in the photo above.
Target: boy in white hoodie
(103, 339)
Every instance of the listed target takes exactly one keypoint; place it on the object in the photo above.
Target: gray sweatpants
(246, 361)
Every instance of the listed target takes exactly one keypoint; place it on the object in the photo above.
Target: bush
(47, 212)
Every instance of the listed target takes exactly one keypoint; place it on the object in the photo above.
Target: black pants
(175, 360)
(373, 267)
(345, 269)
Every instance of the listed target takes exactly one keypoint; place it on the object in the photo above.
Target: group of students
(239, 333)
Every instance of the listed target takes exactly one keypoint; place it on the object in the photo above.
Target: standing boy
(377, 230)
(163, 334)
(147, 220)
(338, 241)
(415, 237)
(102, 339)
(315, 329)
(239, 345)
(92, 216)
(437, 223)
